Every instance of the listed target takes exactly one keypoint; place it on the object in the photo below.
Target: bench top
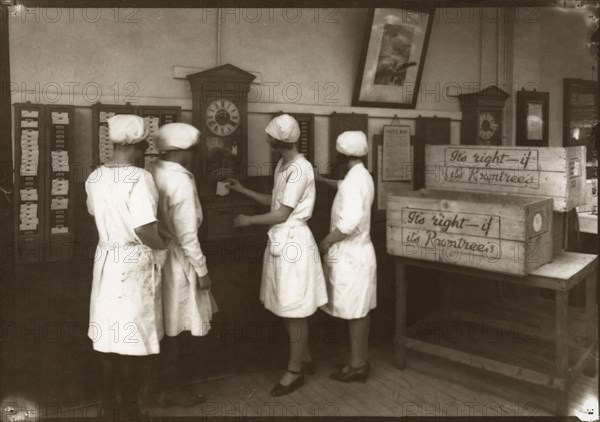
(566, 270)
(565, 265)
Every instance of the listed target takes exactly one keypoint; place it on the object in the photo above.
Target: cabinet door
(432, 131)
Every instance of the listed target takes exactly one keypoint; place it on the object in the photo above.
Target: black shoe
(353, 374)
(282, 390)
(308, 368)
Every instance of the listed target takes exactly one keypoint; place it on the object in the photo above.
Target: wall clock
(488, 125)
(222, 117)
(220, 111)
(482, 122)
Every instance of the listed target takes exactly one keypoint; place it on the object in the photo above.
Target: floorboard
(61, 377)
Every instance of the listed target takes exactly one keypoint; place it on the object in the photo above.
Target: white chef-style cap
(177, 136)
(352, 143)
(284, 128)
(127, 129)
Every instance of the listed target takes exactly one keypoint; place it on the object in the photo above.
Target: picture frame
(532, 118)
(580, 99)
(393, 56)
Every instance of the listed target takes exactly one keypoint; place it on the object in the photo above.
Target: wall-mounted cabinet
(44, 194)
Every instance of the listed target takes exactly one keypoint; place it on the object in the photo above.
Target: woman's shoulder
(304, 161)
(359, 177)
(305, 165)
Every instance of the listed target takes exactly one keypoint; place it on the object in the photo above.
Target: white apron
(125, 304)
(293, 284)
(350, 265)
(185, 306)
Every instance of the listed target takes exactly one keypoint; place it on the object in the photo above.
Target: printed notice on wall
(397, 162)
(387, 188)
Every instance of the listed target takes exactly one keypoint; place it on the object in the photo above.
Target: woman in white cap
(125, 306)
(187, 301)
(350, 265)
(293, 285)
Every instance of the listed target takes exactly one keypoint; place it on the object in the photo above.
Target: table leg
(400, 335)
(562, 346)
(591, 367)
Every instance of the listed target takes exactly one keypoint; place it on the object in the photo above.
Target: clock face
(222, 117)
(488, 125)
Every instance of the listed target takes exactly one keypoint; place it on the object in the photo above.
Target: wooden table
(567, 360)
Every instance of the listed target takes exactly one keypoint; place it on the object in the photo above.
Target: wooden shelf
(495, 348)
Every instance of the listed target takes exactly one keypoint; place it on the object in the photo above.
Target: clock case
(230, 83)
(226, 82)
(472, 105)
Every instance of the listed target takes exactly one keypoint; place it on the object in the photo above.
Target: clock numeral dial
(488, 126)
(222, 117)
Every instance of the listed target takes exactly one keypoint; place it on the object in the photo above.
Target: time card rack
(102, 147)
(155, 116)
(60, 207)
(43, 194)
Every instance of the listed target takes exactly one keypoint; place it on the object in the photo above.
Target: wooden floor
(60, 377)
(428, 387)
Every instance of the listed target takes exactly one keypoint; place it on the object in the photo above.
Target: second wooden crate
(502, 233)
(557, 173)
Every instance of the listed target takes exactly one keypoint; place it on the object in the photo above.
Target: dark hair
(277, 144)
(142, 145)
(344, 159)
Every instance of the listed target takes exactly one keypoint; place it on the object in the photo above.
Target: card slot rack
(153, 122)
(101, 143)
(28, 130)
(155, 117)
(43, 134)
(58, 220)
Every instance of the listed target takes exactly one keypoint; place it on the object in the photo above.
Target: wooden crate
(502, 233)
(557, 173)
(558, 231)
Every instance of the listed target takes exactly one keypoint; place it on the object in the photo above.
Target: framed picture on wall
(580, 99)
(393, 55)
(532, 118)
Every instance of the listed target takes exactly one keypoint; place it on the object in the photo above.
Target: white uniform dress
(186, 307)
(125, 305)
(293, 285)
(350, 265)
